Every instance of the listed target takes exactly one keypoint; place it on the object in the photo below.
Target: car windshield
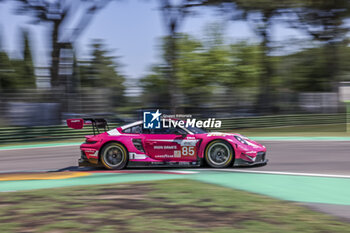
(196, 130)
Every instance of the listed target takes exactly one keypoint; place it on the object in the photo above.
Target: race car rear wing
(96, 123)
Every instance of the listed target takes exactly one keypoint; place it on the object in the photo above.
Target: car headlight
(241, 140)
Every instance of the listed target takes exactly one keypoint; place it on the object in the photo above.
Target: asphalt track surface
(312, 157)
(321, 157)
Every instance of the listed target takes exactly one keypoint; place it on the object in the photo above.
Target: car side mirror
(183, 135)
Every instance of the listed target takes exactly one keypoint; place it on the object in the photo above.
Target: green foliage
(204, 66)
(25, 68)
(102, 71)
(308, 70)
(246, 64)
(305, 71)
(195, 71)
(6, 72)
(17, 73)
(155, 86)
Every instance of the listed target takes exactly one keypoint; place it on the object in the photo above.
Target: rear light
(138, 144)
(90, 142)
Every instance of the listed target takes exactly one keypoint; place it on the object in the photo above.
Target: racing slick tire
(219, 154)
(114, 156)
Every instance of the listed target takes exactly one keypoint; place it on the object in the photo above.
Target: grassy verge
(162, 206)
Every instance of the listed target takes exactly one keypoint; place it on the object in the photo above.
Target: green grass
(326, 130)
(162, 206)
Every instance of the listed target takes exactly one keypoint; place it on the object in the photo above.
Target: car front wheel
(219, 154)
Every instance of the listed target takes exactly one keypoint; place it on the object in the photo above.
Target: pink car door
(171, 147)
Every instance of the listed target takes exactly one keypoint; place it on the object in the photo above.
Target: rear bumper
(85, 162)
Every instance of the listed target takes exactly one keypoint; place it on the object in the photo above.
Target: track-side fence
(62, 132)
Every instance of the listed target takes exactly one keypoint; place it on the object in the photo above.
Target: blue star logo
(151, 120)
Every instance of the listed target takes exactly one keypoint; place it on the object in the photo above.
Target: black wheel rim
(219, 154)
(114, 156)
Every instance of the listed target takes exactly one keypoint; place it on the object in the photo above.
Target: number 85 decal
(188, 150)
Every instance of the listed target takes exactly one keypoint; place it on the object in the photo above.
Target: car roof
(131, 124)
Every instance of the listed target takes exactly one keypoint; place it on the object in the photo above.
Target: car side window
(171, 130)
(160, 131)
(128, 130)
(177, 130)
(137, 129)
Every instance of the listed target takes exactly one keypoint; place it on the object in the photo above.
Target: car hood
(231, 136)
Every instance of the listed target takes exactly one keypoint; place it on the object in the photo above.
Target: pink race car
(132, 145)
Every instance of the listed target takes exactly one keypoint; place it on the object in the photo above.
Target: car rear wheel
(114, 156)
(219, 154)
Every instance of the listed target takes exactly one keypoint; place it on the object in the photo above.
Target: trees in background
(155, 87)
(18, 73)
(261, 16)
(102, 70)
(57, 15)
(204, 66)
(6, 71)
(326, 22)
(192, 67)
(173, 14)
(208, 65)
(24, 67)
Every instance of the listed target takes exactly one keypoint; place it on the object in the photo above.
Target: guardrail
(43, 133)
(282, 120)
(49, 133)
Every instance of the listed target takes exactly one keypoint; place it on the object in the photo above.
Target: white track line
(261, 140)
(181, 172)
(196, 171)
(304, 140)
(280, 173)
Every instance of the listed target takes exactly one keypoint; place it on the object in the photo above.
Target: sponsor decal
(165, 147)
(186, 142)
(177, 154)
(213, 134)
(137, 156)
(164, 156)
(113, 132)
